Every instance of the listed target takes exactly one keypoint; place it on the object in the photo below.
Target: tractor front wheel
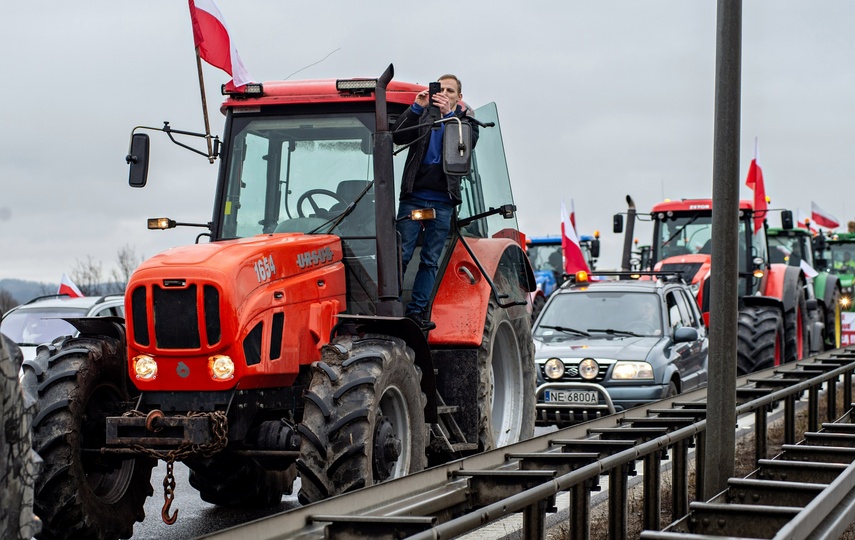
(82, 493)
(364, 419)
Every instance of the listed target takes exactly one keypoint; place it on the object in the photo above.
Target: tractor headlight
(554, 368)
(845, 302)
(631, 370)
(145, 368)
(588, 368)
(221, 367)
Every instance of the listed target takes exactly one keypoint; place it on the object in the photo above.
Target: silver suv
(41, 320)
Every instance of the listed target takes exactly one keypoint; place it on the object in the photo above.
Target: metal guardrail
(464, 495)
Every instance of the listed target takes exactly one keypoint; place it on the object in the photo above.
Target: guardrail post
(847, 390)
(790, 419)
(579, 520)
(618, 485)
(813, 408)
(831, 396)
(679, 480)
(700, 463)
(534, 521)
(760, 427)
(652, 497)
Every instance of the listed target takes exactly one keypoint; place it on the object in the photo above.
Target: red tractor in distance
(279, 347)
(773, 309)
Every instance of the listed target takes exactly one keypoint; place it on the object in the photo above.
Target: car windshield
(608, 314)
(32, 327)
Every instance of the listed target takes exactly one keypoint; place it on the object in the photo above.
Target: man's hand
(442, 101)
(422, 98)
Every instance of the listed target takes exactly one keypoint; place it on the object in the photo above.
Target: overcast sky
(597, 99)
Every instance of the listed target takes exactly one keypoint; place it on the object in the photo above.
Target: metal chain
(219, 430)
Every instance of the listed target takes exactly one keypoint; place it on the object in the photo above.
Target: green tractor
(795, 247)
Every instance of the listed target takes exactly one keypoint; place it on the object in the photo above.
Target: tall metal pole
(721, 394)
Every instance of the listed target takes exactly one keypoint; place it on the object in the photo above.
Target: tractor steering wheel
(318, 211)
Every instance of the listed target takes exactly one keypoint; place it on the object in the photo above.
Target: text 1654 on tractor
(279, 347)
(775, 319)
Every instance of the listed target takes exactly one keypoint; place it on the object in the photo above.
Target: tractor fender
(460, 305)
(825, 286)
(767, 301)
(113, 327)
(782, 282)
(407, 330)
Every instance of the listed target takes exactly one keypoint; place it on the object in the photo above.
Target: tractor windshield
(790, 250)
(684, 234)
(548, 257)
(299, 174)
(841, 260)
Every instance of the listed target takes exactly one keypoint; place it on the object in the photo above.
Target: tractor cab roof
(690, 205)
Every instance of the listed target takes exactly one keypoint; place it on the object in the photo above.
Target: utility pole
(721, 393)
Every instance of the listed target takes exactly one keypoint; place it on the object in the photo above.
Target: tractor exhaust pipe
(625, 264)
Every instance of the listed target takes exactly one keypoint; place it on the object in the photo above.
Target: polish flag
(211, 38)
(66, 286)
(573, 217)
(755, 182)
(574, 259)
(804, 221)
(823, 218)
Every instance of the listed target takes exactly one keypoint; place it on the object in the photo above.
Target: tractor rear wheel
(506, 399)
(80, 492)
(760, 339)
(796, 344)
(831, 319)
(364, 419)
(18, 462)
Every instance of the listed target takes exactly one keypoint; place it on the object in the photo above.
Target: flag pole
(204, 106)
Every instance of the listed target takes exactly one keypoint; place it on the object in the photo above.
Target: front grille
(176, 321)
(139, 316)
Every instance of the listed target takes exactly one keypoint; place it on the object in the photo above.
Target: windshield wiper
(681, 229)
(565, 329)
(346, 212)
(613, 332)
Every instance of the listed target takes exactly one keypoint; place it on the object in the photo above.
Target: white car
(41, 320)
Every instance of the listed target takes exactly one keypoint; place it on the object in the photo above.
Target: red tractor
(773, 308)
(278, 347)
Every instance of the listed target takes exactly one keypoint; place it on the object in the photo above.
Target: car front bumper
(611, 400)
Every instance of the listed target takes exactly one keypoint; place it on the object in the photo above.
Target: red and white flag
(804, 221)
(823, 218)
(574, 259)
(573, 217)
(211, 37)
(66, 286)
(755, 182)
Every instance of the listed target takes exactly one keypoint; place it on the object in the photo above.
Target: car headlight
(145, 368)
(631, 370)
(554, 368)
(588, 369)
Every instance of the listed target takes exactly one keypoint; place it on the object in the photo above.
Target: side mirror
(138, 160)
(457, 149)
(595, 248)
(617, 224)
(818, 243)
(786, 219)
(685, 334)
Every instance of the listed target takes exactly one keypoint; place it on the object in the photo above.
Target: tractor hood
(243, 264)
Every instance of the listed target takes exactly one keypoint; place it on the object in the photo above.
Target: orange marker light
(581, 276)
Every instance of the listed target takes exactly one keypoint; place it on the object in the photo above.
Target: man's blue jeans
(436, 231)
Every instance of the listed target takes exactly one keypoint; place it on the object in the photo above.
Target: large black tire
(18, 461)
(228, 481)
(364, 417)
(796, 342)
(506, 398)
(77, 383)
(760, 336)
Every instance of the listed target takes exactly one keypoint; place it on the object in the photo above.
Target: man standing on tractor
(425, 185)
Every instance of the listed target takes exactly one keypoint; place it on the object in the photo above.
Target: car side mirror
(137, 158)
(457, 149)
(686, 334)
(617, 224)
